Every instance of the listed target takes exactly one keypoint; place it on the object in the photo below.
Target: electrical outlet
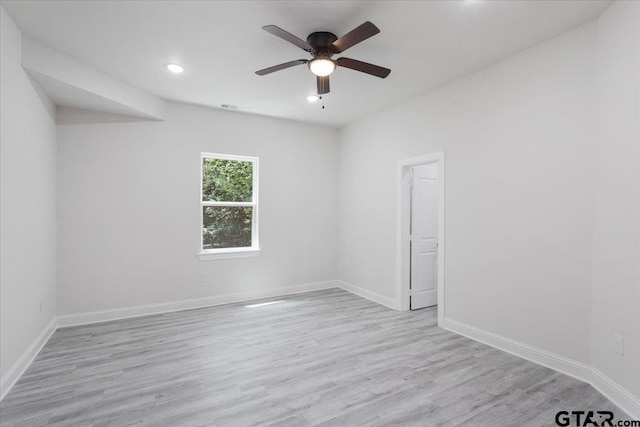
(619, 345)
(203, 277)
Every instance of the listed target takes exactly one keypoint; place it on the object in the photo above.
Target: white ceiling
(425, 43)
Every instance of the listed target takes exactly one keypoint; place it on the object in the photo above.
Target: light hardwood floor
(321, 358)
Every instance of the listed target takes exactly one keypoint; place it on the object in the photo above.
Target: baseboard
(145, 310)
(15, 372)
(581, 371)
(542, 357)
(364, 293)
(618, 395)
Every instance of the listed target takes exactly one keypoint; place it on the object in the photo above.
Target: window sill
(228, 253)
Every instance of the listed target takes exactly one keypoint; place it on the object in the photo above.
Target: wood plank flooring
(325, 358)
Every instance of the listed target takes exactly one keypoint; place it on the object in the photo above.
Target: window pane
(226, 227)
(227, 181)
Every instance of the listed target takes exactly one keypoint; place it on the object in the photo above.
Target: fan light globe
(322, 66)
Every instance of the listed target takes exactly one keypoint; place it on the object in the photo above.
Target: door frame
(403, 225)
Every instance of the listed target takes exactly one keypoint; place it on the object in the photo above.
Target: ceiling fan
(322, 46)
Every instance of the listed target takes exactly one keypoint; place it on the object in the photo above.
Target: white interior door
(424, 232)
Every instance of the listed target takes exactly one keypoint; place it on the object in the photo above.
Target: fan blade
(323, 85)
(281, 67)
(364, 67)
(354, 37)
(277, 31)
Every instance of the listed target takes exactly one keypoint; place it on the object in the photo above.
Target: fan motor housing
(321, 40)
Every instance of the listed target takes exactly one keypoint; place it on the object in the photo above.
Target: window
(228, 206)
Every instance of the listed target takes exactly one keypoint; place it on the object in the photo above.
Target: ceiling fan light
(322, 66)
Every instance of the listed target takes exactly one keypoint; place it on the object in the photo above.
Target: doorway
(421, 233)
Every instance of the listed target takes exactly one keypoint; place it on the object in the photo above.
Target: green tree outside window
(229, 182)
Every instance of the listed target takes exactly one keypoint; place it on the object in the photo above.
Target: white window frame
(226, 253)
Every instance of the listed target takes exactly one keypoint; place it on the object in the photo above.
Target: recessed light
(312, 98)
(175, 68)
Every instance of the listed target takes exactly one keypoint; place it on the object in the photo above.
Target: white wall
(518, 139)
(129, 208)
(28, 204)
(616, 249)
